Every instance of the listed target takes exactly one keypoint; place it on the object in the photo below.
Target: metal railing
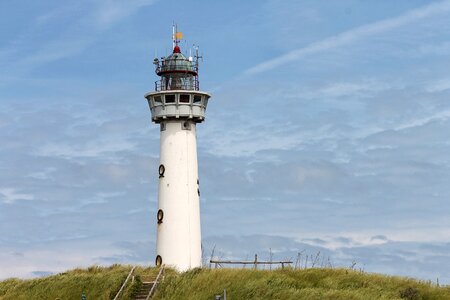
(161, 86)
(155, 284)
(124, 284)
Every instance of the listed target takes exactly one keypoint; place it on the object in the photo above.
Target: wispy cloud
(11, 195)
(77, 36)
(91, 149)
(438, 116)
(439, 86)
(361, 89)
(352, 35)
(112, 11)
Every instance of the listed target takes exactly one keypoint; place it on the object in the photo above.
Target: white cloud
(58, 258)
(352, 35)
(94, 148)
(363, 89)
(56, 50)
(112, 11)
(438, 116)
(77, 35)
(439, 86)
(11, 195)
(44, 174)
(333, 242)
(426, 234)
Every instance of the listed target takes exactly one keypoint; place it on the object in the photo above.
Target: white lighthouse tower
(178, 105)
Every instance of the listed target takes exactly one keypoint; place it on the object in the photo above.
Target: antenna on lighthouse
(174, 41)
(197, 57)
(176, 35)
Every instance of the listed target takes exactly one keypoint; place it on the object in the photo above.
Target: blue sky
(328, 130)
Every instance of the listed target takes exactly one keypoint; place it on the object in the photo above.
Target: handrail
(255, 262)
(124, 284)
(193, 85)
(155, 284)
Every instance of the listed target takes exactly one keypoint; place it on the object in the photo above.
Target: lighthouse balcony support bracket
(178, 104)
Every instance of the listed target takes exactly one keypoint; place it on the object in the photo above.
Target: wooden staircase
(149, 285)
(145, 289)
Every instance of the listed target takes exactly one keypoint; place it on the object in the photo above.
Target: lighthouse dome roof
(177, 62)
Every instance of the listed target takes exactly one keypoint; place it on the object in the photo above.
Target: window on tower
(184, 98)
(158, 260)
(157, 100)
(197, 99)
(169, 99)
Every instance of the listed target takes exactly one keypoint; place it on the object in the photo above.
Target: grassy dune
(295, 284)
(99, 283)
(96, 282)
(104, 282)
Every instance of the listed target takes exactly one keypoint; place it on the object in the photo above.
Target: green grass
(99, 283)
(104, 282)
(96, 282)
(295, 284)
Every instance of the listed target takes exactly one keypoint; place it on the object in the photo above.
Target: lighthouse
(178, 105)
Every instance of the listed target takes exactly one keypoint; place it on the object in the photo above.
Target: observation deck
(178, 104)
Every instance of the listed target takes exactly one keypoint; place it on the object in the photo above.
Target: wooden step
(144, 290)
